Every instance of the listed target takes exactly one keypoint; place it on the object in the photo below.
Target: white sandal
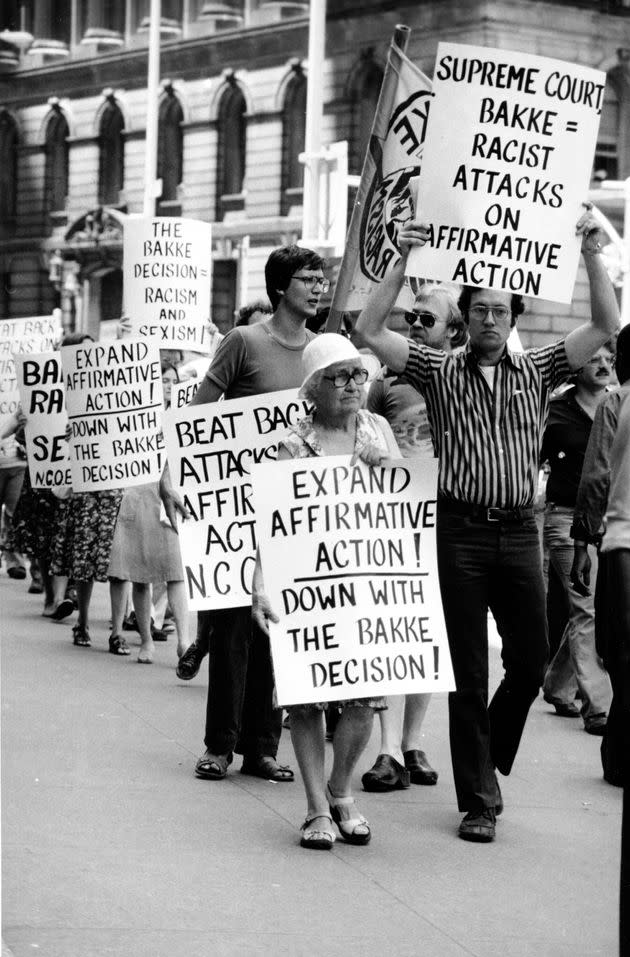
(353, 827)
(315, 838)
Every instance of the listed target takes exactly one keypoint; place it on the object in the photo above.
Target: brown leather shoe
(478, 826)
(420, 771)
(387, 774)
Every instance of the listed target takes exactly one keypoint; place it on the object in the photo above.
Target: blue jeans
(497, 567)
(576, 665)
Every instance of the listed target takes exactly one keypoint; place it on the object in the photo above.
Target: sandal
(317, 838)
(81, 636)
(118, 645)
(353, 827)
(266, 767)
(213, 767)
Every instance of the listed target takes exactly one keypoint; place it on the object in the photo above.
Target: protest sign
(506, 167)
(349, 565)
(211, 449)
(40, 384)
(167, 280)
(114, 402)
(36, 334)
(183, 392)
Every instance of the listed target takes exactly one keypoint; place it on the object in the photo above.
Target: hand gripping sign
(506, 167)
(349, 565)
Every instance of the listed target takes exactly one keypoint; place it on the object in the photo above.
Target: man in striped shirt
(487, 410)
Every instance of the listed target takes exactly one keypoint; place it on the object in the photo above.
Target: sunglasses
(424, 318)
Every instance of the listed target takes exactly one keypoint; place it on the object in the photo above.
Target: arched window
(111, 159)
(364, 92)
(8, 170)
(170, 165)
(293, 136)
(231, 150)
(606, 165)
(57, 162)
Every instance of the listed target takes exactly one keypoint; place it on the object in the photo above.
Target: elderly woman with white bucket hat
(334, 376)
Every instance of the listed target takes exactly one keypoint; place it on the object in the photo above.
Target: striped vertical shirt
(487, 439)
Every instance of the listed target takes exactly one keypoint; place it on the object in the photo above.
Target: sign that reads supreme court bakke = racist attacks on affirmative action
(506, 167)
(166, 271)
(42, 397)
(349, 565)
(114, 402)
(211, 450)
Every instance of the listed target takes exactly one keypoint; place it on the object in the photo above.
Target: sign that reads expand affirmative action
(506, 167)
(211, 450)
(114, 402)
(166, 273)
(349, 565)
(40, 383)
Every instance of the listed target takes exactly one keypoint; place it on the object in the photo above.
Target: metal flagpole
(153, 79)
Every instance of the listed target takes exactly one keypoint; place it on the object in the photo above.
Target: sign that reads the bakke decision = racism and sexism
(114, 403)
(211, 450)
(506, 167)
(166, 273)
(42, 397)
(349, 565)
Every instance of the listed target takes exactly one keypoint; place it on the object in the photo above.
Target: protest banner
(167, 281)
(349, 565)
(40, 384)
(506, 167)
(114, 402)
(385, 197)
(211, 449)
(35, 334)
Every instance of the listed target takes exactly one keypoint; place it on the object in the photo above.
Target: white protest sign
(349, 565)
(36, 334)
(114, 403)
(211, 449)
(167, 281)
(506, 168)
(40, 383)
(183, 392)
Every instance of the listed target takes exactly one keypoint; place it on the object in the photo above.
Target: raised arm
(584, 341)
(390, 347)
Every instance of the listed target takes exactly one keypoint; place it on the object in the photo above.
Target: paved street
(111, 848)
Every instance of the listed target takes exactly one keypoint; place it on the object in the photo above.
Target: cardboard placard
(42, 397)
(167, 281)
(114, 402)
(211, 450)
(506, 168)
(349, 565)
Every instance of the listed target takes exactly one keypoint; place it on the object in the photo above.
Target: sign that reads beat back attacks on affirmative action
(506, 167)
(349, 565)
(42, 397)
(211, 450)
(166, 272)
(36, 334)
(114, 403)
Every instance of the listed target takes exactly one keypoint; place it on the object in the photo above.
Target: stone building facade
(73, 106)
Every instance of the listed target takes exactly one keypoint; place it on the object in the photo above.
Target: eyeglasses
(480, 312)
(311, 281)
(341, 379)
(425, 318)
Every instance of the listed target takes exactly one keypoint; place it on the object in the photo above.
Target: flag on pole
(385, 198)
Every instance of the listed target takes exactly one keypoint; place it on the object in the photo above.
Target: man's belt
(484, 513)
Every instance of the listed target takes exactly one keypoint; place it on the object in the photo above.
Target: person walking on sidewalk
(576, 667)
(488, 407)
(252, 360)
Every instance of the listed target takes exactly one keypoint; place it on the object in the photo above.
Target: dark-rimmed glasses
(311, 281)
(341, 379)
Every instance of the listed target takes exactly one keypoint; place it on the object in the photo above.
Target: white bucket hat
(324, 351)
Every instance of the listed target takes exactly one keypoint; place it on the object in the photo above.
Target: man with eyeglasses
(488, 407)
(434, 321)
(251, 360)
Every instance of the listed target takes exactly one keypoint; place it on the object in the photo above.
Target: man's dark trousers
(495, 565)
(239, 712)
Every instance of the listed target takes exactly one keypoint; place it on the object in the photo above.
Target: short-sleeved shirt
(487, 438)
(405, 410)
(564, 444)
(251, 361)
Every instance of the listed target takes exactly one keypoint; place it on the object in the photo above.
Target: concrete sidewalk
(111, 848)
